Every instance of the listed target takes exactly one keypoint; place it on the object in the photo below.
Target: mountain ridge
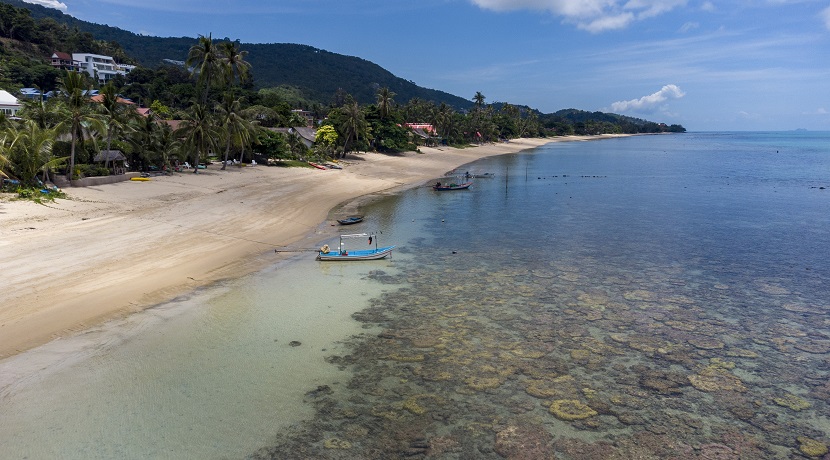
(317, 72)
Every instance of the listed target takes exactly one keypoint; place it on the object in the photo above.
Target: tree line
(219, 113)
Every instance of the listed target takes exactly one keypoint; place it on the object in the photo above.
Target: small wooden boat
(439, 187)
(316, 165)
(343, 254)
(350, 220)
(483, 175)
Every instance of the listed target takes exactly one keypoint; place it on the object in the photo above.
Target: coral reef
(571, 409)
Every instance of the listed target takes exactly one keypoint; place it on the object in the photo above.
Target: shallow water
(656, 297)
(646, 297)
(211, 375)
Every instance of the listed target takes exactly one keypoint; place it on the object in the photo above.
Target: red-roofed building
(426, 127)
(64, 61)
(100, 98)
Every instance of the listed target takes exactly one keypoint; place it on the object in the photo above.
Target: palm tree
(5, 162)
(143, 135)
(31, 148)
(74, 88)
(442, 118)
(199, 132)
(43, 111)
(479, 99)
(114, 113)
(233, 63)
(385, 101)
(166, 143)
(353, 124)
(295, 144)
(233, 125)
(203, 58)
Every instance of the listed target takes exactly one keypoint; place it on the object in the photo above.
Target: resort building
(306, 135)
(424, 127)
(9, 105)
(64, 61)
(308, 116)
(103, 68)
(33, 93)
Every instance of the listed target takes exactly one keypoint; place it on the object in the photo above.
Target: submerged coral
(811, 447)
(716, 378)
(571, 409)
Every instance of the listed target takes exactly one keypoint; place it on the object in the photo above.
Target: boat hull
(367, 254)
(350, 220)
(444, 188)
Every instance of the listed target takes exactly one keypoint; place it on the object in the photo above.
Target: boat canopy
(357, 235)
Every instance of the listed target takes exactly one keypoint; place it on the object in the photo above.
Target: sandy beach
(115, 249)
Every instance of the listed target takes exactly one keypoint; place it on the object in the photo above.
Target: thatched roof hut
(109, 155)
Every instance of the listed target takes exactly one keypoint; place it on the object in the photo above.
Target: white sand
(115, 249)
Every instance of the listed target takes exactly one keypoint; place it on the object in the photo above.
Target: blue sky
(708, 65)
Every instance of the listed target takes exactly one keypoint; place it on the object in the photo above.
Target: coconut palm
(115, 114)
(385, 100)
(233, 63)
(44, 112)
(232, 123)
(203, 58)
(143, 133)
(31, 150)
(80, 117)
(166, 143)
(442, 118)
(5, 162)
(353, 124)
(199, 132)
(295, 144)
(479, 99)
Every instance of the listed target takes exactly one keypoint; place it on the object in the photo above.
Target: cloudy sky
(708, 65)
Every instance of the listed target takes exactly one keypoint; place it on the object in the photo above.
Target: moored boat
(350, 220)
(343, 254)
(439, 187)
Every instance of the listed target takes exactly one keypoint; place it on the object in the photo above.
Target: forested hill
(318, 73)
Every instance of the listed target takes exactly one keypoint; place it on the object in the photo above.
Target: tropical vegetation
(209, 107)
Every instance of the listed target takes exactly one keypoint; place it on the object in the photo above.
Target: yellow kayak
(140, 178)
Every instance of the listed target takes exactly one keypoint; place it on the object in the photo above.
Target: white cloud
(689, 26)
(591, 15)
(825, 16)
(49, 4)
(650, 102)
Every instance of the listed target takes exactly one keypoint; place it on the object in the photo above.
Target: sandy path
(115, 249)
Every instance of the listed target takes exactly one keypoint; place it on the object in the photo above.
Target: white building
(104, 68)
(9, 105)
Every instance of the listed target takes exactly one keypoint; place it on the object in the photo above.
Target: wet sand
(115, 249)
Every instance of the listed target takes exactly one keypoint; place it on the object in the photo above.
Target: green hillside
(318, 73)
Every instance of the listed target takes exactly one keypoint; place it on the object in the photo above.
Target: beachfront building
(9, 105)
(34, 93)
(102, 68)
(426, 132)
(306, 115)
(306, 135)
(64, 61)
(423, 127)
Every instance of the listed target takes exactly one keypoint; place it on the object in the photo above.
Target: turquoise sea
(660, 297)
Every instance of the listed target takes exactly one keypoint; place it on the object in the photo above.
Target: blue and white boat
(342, 253)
